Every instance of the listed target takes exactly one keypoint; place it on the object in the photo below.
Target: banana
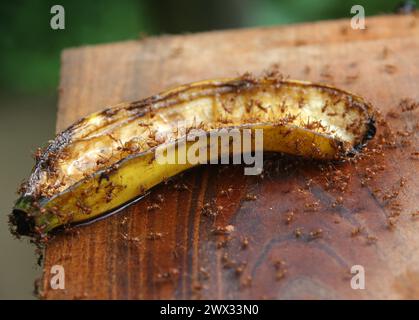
(108, 159)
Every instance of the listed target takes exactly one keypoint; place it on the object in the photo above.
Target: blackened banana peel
(107, 159)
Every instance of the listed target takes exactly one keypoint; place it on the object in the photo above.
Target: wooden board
(114, 258)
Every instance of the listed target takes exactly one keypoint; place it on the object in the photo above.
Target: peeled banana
(108, 159)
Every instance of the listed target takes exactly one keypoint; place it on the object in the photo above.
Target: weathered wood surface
(190, 261)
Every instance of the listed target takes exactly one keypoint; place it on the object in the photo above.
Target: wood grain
(115, 258)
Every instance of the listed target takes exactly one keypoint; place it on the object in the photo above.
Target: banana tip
(22, 223)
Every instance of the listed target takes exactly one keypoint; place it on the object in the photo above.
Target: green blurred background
(30, 63)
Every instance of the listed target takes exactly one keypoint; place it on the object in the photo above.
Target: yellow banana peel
(108, 159)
